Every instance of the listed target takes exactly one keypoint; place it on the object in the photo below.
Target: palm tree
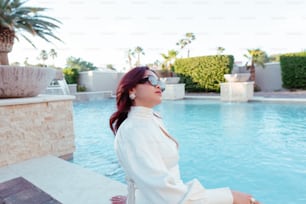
(256, 57)
(169, 60)
(138, 51)
(53, 54)
(130, 55)
(18, 19)
(157, 64)
(189, 37)
(220, 50)
(43, 56)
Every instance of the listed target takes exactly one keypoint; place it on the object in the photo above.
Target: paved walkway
(64, 181)
(280, 96)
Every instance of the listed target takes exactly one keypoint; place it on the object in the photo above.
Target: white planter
(171, 80)
(72, 88)
(237, 91)
(174, 92)
(19, 82)
(239, 77)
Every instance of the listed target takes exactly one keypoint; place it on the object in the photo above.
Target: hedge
(293, 67)
(203, 73)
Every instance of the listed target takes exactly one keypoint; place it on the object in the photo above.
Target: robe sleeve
(138, 151)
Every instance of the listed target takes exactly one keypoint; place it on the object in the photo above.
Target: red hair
(123, 101)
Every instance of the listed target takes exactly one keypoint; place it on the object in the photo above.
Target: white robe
(150, 161)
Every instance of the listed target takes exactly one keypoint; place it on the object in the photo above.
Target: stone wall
(34, 127)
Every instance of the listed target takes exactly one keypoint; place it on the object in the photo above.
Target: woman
(147, 152)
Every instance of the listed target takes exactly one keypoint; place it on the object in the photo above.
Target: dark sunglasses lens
(157, 82)
(153, 80)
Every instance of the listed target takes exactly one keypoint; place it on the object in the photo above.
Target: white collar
(141, 111)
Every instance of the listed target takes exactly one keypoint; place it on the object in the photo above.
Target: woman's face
(147, 95)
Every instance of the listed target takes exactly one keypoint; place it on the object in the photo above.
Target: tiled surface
(66, 182)
(36, 129)
(21, 191)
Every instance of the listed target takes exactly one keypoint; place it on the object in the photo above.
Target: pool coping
(254, 99)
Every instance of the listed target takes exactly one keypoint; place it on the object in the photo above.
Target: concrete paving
(278, 96)
(65, 181)
(272, 94)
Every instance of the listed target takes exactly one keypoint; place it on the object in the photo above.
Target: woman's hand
(243, 198)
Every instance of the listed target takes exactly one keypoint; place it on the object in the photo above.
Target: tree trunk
(4, 58)
(253, 74)
(138, 60)
(7, 37)
(252, 71)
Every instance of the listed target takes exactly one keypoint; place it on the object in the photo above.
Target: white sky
(101, 31)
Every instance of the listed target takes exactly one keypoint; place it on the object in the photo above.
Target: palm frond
(27, 39)
(15, 16)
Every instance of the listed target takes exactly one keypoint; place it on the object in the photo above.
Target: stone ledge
(29, 130)
(37, 99)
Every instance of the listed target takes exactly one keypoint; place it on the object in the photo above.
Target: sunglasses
(154, 81)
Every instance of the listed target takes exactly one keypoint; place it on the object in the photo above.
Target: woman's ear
(133, 90)
(132, 94)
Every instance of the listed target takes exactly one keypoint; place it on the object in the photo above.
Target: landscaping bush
(293, 67)
(81, 88)
(71, 75)
(203, 73)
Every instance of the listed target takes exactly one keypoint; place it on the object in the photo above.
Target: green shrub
(293, 67)
(81, 88)
(204, 73)
(71, 75)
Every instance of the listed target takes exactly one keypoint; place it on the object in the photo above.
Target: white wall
(100, 80)
(269, 78)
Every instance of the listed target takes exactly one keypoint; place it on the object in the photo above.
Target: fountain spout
(58, 86)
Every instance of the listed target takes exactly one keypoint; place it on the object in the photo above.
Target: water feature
(58, 87)
(237, 88)
(254, 147)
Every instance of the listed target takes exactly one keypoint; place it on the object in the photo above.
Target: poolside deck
(277, 96)
(66, 182)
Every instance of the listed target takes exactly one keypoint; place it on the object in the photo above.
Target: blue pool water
(258, 148)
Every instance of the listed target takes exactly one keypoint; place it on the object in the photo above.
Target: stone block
(32, 130)
(174, 92)
(237, 91)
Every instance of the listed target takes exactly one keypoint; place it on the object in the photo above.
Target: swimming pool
(258, 148)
